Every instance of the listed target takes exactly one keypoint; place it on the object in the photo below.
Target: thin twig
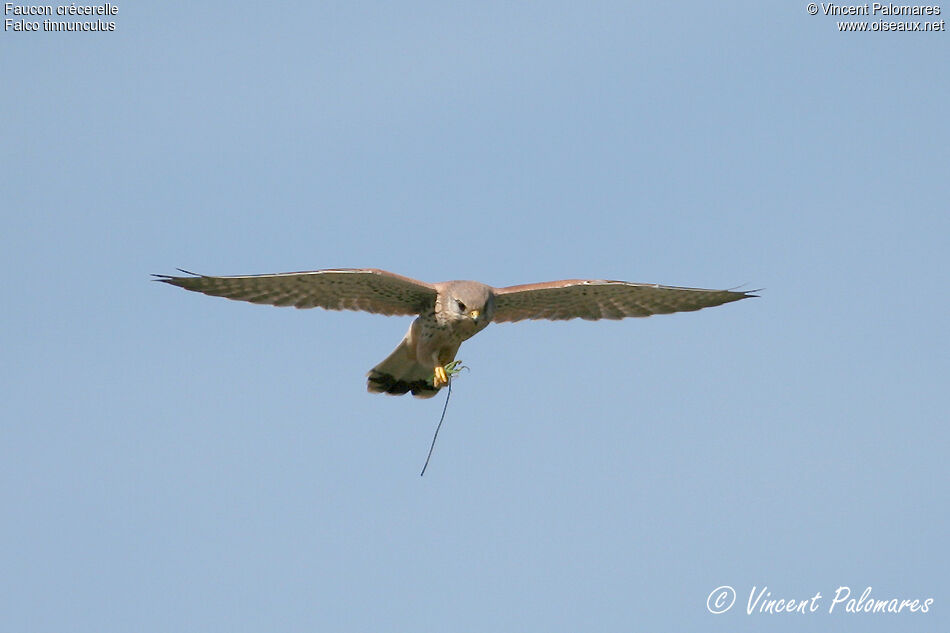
(432, 446)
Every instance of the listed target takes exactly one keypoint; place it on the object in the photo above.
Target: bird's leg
(446, 372)
(440, 379)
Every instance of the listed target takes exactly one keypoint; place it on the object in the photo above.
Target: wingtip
(173, 280)
(746, 294)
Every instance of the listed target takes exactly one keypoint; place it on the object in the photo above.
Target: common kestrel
(448, 312)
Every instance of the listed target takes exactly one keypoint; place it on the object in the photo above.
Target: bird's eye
(460, 305)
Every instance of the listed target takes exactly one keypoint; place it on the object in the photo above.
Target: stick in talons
(449, 371)
(454, 368)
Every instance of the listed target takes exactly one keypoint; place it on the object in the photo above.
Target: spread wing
(343, 289)
(593, 299)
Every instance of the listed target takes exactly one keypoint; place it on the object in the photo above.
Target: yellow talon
(440, 379)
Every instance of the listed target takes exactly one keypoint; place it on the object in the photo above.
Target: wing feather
(594, 299)
(366, 289)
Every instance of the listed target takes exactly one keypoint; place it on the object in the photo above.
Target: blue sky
(174, 462)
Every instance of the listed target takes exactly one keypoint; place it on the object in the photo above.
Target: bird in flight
(449, 312)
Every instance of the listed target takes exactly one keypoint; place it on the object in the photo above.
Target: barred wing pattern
(593, 299)
(364, 289)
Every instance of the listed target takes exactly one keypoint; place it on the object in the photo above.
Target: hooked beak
(474, 314)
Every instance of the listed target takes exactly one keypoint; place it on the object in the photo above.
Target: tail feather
(401, 373)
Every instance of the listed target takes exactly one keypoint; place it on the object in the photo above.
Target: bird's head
(469, 301)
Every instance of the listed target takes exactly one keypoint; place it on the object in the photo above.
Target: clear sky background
(175, 462)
